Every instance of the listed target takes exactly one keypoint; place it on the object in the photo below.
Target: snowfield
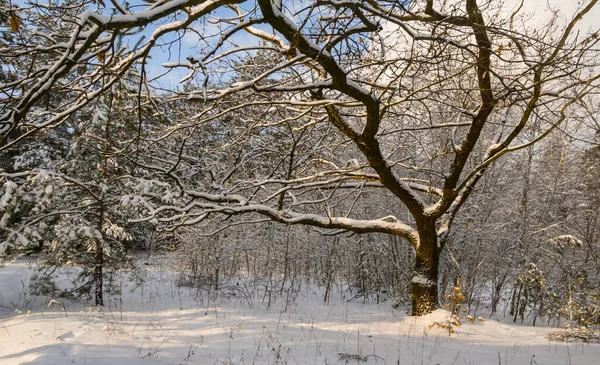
(157, 322)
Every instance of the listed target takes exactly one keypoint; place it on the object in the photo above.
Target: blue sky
(177, 47)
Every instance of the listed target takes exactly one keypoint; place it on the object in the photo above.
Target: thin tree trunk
(99, 266)
(98, 295)
(285, 262)
(99, 259)
(99, 262)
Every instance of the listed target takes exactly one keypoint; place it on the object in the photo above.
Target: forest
(418, 154)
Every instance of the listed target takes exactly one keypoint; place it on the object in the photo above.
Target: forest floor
(159, 322)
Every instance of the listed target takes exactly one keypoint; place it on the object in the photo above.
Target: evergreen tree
(64, 198)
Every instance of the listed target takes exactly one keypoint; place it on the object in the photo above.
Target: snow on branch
(204, 205)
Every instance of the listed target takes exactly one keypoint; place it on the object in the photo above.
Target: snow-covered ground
(159, 322)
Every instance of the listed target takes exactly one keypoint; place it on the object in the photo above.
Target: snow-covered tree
(64, 198)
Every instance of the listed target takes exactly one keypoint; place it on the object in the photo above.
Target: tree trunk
(98, 266)
(424, 284)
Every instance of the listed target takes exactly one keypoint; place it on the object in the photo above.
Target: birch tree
(410, 101)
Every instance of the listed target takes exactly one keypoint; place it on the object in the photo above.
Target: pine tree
(64, 198)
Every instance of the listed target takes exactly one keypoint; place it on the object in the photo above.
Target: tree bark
(424, 285)
(98, 284)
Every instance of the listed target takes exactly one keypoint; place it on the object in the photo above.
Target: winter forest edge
(421, 154)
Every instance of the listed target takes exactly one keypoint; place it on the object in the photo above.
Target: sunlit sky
(177, 47)
(538, 11)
